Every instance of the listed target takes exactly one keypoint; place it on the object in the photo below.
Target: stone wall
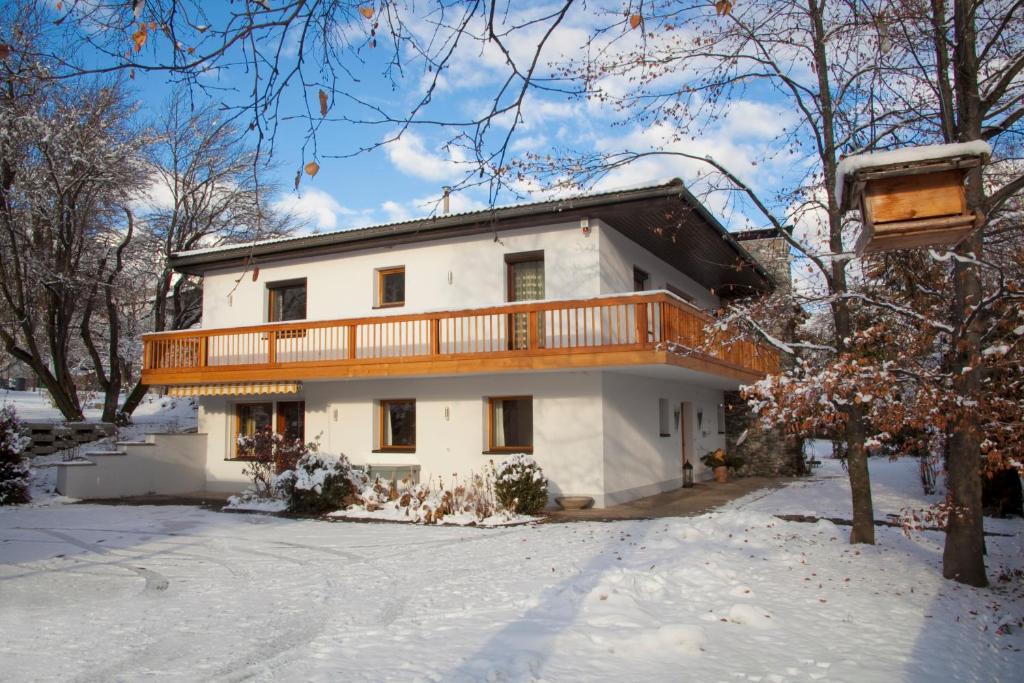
(767, 453)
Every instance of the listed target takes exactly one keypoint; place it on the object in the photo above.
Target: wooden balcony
(628, 330)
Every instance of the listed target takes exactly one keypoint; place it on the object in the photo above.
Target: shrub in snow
(423, 503)
(719, 458)
(269, 454)
(318, 483)
(14, 471)
(520, 486)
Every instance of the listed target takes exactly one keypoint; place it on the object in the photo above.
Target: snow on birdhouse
(912, 197)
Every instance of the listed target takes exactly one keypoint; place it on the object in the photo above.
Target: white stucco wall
(344, 285)
(638, 461)
(596, 433)
(566, 413)
(619, 255)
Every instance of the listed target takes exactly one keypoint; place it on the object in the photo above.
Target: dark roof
(762, 234)
(666, 219)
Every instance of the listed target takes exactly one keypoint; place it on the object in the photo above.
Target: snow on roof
(385, 226)
(907, 155)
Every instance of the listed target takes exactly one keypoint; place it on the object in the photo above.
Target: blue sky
(404, 179)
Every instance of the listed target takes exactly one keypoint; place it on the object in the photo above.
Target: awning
(234, 389)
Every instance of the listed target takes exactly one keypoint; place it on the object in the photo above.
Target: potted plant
(720, 463)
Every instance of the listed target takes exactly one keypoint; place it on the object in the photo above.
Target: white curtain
(499, 424)
(388, 431)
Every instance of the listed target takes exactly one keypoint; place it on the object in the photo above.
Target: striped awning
(234, 389)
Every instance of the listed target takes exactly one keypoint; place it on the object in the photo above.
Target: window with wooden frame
(287, 418)
(641, 280)
(250, 418)
(397, 425)
(391, 287)
(286, 300)
(510, 424)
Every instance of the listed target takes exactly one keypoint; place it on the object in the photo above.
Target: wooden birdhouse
(911, 197)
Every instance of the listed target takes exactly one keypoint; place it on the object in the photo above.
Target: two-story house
(572, 330)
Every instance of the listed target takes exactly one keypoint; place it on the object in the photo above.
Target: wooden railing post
(532, 325)
(435, 337)
(271, 347)
(640, 316)
(352, 340)
(203, 351)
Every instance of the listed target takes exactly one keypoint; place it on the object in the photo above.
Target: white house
(569, 329)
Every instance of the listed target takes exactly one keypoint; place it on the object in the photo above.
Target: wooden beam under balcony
(639, 329)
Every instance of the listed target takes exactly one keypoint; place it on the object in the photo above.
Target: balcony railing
(651, 322)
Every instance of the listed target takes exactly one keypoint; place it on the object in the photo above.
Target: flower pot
(574, 502)
(721, 474)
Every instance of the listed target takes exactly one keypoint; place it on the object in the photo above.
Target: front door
(525, 283)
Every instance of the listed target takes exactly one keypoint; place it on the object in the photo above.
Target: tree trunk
(860, 480)
(963, 558)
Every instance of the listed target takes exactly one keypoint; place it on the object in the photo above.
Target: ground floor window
(510, 424)
(283, 417)
(398, 424)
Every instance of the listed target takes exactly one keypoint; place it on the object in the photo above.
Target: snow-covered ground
(154, 414)
(124, 593)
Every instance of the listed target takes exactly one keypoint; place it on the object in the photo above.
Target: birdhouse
(911, 197)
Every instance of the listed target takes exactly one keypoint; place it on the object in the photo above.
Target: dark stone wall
(767, 453)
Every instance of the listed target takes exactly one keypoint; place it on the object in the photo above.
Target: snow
(907, 155)
(125, 593)
(393, 513)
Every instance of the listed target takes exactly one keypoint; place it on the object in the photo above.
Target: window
(398, 425)
(249, 419)
(641, 280)
(287, 301)
(664, 425)
(510, 424)
(284, 417)
(391, 287)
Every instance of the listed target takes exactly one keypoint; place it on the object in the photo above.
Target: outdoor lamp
(687, 475)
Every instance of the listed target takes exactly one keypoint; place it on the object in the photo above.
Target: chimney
(446, 205)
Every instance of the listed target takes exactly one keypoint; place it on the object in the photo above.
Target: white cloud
(410, 155)
(319, 209)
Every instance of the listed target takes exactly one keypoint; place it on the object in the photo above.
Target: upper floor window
(398, 425)
(287, 301)
(510, 424)
(391, 286)
(641, 280)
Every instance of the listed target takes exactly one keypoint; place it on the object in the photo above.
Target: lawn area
(127, 592)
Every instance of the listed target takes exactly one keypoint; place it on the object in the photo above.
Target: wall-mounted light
(585, 226)
(334, 414)
(450, 277)
(675, 418)
(700, 419)
(447, 414)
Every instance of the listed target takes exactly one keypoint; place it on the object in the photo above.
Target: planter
(574, 502)
(721, 474)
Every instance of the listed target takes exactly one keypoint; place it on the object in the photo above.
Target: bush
(319, 483)
(14, 471)
(270, 454)
(520, 486)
